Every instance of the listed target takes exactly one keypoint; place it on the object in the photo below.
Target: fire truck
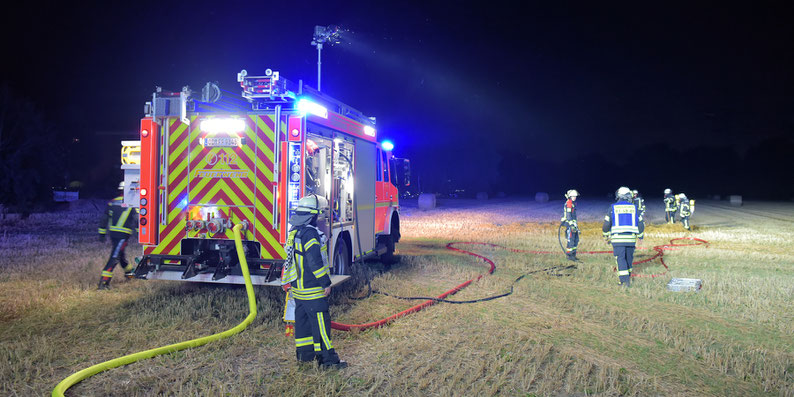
(209, 161)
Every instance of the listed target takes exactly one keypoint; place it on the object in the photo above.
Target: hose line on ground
(73, 379)
(441, 298)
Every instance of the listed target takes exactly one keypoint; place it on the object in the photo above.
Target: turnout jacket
(670, 202)
(623, 224)
(306, 268)
(685, 208)
(569, 213)
(640, 202)
(120, 221)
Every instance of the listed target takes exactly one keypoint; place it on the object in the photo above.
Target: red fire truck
(210, 161)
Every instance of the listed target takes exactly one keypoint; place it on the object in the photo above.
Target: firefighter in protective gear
(571, 227)
(639, 202)
(685, 210)
(306, 277)
(119, 221)
(622, 226)
(670, 206)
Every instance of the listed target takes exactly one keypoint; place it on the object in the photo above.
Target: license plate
(222, 142)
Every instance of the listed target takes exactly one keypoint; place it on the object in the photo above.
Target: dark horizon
(692, 97)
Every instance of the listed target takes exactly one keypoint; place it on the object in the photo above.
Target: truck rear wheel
(388, 257)
(341, 258)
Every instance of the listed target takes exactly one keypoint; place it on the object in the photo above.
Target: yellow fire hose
(131, 358)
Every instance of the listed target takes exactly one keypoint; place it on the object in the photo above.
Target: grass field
(576, 335)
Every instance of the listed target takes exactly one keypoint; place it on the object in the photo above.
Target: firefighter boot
(103, 284)
(129, 271)
(330, 360)
(339, 365)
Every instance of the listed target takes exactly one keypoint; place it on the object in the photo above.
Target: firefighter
(639, 202)
(622, 226)
(685, 210)
(306, 277)
(571, 227)
(122, 220)
(670, 206)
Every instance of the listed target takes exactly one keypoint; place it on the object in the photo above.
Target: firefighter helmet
(121, 185)
(308, 207)
(635, 193)
(682, 196)
(571, 193)
(623, 193)
(668, 191)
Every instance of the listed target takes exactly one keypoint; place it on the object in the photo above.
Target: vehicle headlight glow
(222, 125)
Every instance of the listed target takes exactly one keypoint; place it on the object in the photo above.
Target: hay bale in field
(735, 200)
(427, 201)
(482, 196)
(541, 197)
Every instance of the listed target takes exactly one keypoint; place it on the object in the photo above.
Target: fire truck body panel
(207, 181)
(203, 171)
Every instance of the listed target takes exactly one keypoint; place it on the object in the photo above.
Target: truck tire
(341, 258)
(388, 258)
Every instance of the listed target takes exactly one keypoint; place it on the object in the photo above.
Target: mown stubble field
(574, 334)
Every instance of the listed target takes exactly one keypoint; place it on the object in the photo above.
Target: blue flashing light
(307, 106)
(387, 145)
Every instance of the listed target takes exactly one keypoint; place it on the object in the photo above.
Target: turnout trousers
(624, 257)
(116, 256)
(313, 332)
(669, 215)
(573, 241)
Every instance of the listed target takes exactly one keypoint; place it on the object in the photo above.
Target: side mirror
(403, 167)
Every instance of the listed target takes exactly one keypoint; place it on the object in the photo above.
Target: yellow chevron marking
(265, 170)
(177, 133)
(270, 134)
(176, 152)
(272, 242)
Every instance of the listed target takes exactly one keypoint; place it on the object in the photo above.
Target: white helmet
(682, 196)
(635, 193)
(623, 193)
(308, 207)
(312, 204)
(668, 191)
(121, 185)
(571, 193)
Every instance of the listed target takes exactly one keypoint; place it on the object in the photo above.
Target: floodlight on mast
(324, 34)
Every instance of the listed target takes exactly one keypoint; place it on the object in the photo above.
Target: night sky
(481, 96)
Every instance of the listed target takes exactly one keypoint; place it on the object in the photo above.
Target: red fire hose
(659, 254)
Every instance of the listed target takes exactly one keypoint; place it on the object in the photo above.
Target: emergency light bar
(222, 125)
(387, 146)
(307, 106)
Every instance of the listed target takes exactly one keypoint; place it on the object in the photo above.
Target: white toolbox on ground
(685, 284)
